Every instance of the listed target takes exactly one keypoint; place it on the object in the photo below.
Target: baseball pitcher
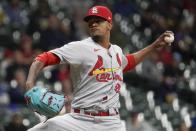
(96, 70)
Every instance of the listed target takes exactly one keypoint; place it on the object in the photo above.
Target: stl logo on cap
(94, 10)
(99, 11)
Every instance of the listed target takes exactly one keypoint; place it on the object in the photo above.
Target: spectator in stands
(15, 124)
(125, 7)
(151, 67)
(14, 12)
(183, 127)
(20, 57)
(55, 34)
(38, 18)
(26, 50)
(17, 87)
(136, 123)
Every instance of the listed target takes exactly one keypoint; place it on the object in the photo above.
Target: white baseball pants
(81, 122)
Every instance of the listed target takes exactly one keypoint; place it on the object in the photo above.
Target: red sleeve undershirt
(130, 63)
(48, 58)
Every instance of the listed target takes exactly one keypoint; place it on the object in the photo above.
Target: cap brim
(86, 19)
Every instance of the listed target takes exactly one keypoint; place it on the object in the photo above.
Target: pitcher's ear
(109, 26)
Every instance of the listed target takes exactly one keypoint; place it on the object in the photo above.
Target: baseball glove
(44, 102)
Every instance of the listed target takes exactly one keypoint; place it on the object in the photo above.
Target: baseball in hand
(169, 39)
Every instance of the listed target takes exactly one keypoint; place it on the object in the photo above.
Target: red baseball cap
(100, 11)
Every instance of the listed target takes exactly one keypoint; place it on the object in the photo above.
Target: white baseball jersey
(96, 73)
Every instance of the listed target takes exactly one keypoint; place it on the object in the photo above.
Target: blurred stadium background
(159, 95)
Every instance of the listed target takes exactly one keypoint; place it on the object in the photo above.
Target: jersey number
(117, 88)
